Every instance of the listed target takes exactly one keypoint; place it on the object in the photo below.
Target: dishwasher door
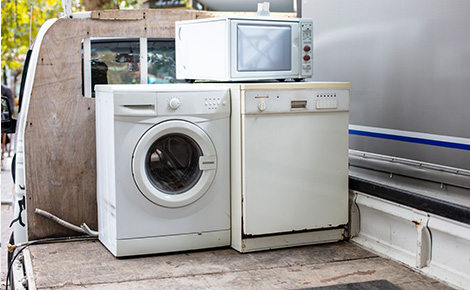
(295, 171)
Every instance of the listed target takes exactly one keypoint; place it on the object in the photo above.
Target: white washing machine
(289, 173)
(163, 171)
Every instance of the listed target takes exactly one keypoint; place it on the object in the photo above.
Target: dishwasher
(289, 164)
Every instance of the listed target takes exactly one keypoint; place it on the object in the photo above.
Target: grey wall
(409, 67)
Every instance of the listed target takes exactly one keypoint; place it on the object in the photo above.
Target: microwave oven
(244, 49)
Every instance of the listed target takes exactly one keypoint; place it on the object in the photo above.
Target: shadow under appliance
(289, 164)
(163, 167)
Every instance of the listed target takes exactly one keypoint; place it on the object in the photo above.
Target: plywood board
(60, 160)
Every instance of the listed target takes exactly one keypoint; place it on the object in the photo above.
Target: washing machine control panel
(194, 102)
(291, 101)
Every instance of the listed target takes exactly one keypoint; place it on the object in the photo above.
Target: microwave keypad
(307, 48)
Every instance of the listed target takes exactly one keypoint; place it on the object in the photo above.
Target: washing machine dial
(174, 103)
(262, 106)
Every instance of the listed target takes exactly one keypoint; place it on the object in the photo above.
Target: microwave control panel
(307, 48)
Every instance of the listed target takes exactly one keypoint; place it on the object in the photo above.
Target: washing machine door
(174, 163)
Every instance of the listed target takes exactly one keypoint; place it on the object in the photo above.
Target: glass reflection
(172, 163)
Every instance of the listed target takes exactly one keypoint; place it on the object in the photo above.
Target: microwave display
(264, 48)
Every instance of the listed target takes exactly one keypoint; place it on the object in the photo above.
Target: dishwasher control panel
(296, 100)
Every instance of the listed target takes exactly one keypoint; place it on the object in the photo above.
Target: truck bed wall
(408, 64)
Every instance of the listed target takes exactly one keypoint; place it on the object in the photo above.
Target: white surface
(173, 243)
(450, 252)
(289, 240)
(67, 5)
(201, 49)
(130, 223)
(265, 51)
(289, 163)
(436, 246)
(87, 67)
(397, 231)
(143, 62)
(295, 180)
(249, 5)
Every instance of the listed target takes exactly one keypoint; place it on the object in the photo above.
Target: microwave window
(264, 48)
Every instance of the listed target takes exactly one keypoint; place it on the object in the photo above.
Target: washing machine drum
(174, 163)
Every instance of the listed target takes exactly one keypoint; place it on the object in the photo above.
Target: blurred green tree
(22, 19)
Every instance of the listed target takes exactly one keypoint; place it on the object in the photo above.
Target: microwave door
(264, 48)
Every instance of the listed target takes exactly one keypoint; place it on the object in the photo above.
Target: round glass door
(174, 163)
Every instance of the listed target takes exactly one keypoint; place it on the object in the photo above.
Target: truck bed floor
(87, 264)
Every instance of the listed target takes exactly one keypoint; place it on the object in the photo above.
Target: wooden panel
(60, 131)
